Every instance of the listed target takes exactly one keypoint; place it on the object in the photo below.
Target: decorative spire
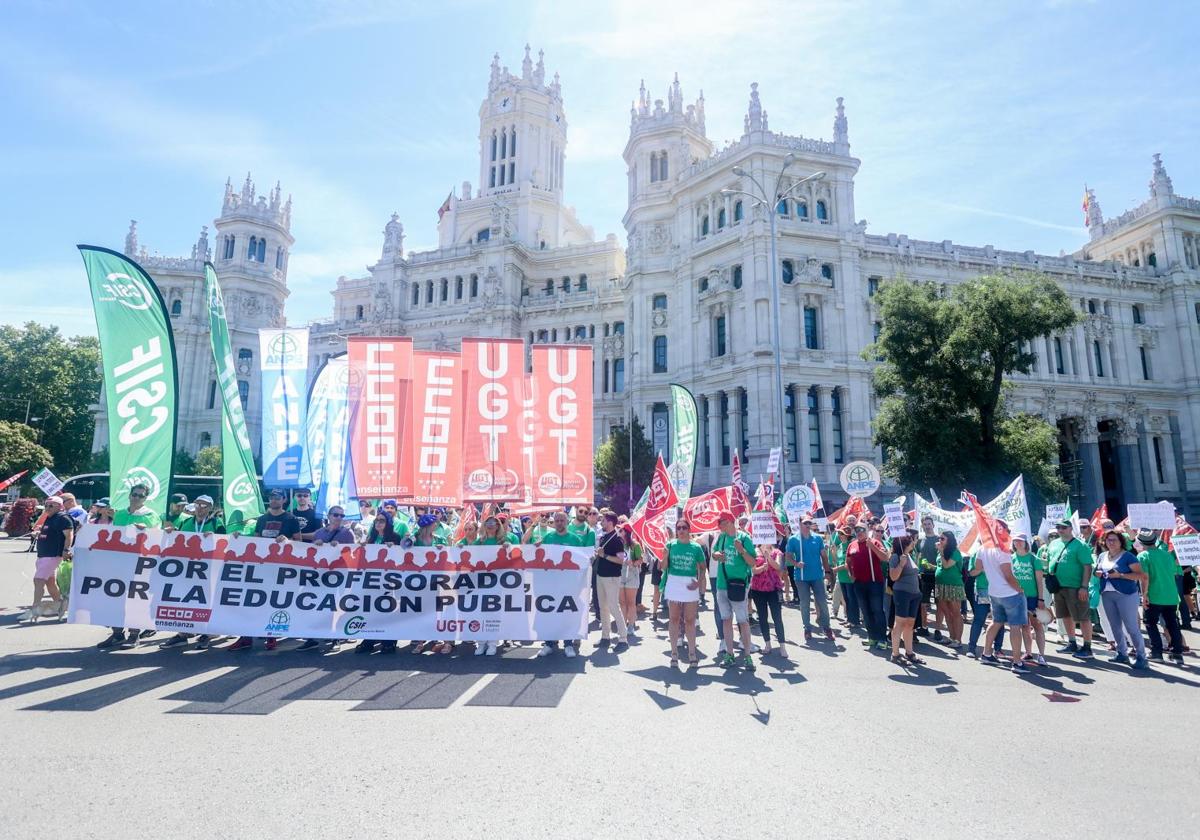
(131, 243)
(275, 198)
(1160, 183)
(393, 238)
(494, 80)
(227, 201)
(200, 249)
(539, 72)
(675, 97)
(1091, 208)
(841, 133)
(527, 66)
(555, 87)
(754, 113)
(643, 102)
(248, 190)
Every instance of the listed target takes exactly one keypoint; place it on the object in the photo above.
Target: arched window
(548, 289)
(737, 212)
(429, 291)
(565, 284)
(252, 248)
(658, 302)
(279, 258)
(580, 333)
(212, 393)
(1098, 355)
(503, 143)
(512, 173)
(704, 226)
(1137, 314)
(358, 312)
(230, 247)
(512, 144)
(822, 212)
(484, 235)
(653, 167)
(660, 354)
(827, 271)
(262, 251)
(662, 166)
(1151, 259)
(554, 335)
(1091, 307)
(458, 288)
(492, 176)
(737, 277)
(812, 338)
(444, 290)
(582, 284)
(801, 209)
(245, 355)
(721, 219)
(606, 330)
(618, 376)
(720, 338)
(782, 207)
(205, 439)
(176, 307)
(543, 336)
(619, 328)
(789, 272)
(244, 392)
(474, 285)
(704, 283)
(416, 294)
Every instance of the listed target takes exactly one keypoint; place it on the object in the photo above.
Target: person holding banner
(141, 517)
(734, 553)
(684, 565)
(864, 557)
(426, 535)
(382, 532)
(1121, 576)
(560, 535)
(610, 561)
(201, 521)
(491, 533)
(806, 552)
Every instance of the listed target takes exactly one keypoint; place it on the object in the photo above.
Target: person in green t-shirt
(1028, 570)
(140, 517)
(490, 533)
(845, 583)
(948, 589)
(1161, 597)
(734, 552)
(684, 564)
(560, 534)
(1070, 561)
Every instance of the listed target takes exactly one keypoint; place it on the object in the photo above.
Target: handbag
(1052, 584)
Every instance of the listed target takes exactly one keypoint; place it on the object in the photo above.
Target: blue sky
(979, 126)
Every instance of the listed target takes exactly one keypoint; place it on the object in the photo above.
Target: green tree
(613, 478)
(184, 463)
(208, 461)
(56, 379)
(944, 359)
(19, 450)
(98, 461)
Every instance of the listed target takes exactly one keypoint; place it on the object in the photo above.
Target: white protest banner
(1157, 517)
(762, 527)
(48, 482)
(1187, 549)
(860, 478)
(895, 520)
(1056, 513)
(797, 502)
(957, 522)
(249, 586)
(773, 460)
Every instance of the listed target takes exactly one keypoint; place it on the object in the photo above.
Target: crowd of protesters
(894, 592)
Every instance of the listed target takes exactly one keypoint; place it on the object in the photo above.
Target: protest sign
(773, 460)
(1056, 513)
(860, 478)
(895, 520)
(1156, 517)
(762, 527)
(1187, 549)
(249, 586)
(47, 482)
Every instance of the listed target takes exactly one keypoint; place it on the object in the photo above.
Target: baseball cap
(1064, 523)
(726, 516)
(277, 493)
(105, 502)
(206, 499)
(56, 499)
(179, 498)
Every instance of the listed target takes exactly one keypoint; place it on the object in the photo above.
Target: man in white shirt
(1008, 604)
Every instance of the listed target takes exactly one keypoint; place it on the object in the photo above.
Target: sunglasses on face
(137, 495)
(336, 515)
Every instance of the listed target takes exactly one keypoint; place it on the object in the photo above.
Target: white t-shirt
(992, 559)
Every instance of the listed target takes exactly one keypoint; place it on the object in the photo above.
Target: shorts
(1010, 610)
(677, 590)
(1068, 605)
(1031, 602)
(45, 567)
(630, 576)
(906, 603)
(739, 610)
(656, 576)
(943, 592)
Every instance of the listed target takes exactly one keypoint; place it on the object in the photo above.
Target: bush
(20, 518)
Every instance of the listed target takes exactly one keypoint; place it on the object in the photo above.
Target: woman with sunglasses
(490, 533)
(382, 532)
(684, 564)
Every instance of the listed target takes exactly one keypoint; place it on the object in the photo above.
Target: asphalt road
(837, 743)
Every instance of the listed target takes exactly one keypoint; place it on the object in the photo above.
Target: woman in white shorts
(683, 566)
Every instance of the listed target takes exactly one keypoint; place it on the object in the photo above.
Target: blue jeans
(979, 616)
(870, 599)
(815, 588)
(1122, 610)
(851, 599)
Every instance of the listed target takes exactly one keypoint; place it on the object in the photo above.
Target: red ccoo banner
(562, 392)
(382, 370)
(437, 427)
(492, 411)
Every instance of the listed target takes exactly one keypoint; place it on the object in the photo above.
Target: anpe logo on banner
(128, 291)
(279, 623)
(281, 346)
(354, 625)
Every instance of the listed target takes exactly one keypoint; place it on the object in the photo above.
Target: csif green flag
(137, 349)
(684, 431)
(240, 495)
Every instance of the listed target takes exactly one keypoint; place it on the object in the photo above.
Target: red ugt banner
(437, 477)
(493, 381)
(381, 376)
(562, 392)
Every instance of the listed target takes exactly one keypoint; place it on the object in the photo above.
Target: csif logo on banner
(128, 291)
(142, 388)
(239, 492)
(141, 475)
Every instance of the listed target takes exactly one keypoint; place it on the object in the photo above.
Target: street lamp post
(770, 201)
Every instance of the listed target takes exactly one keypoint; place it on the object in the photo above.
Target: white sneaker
(570, 651)
(30, 615)
(492, 648)
(547, 651)
(480, 647)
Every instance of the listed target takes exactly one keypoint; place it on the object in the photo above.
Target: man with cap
(1161, 598)
(304, 511)
(280, 525)
(1071, 561)
(201, 521)
(53, 546)
(734, 552)
(807, 552)
(560, 535)
(141, 517)
(175, 512)
(864, 557)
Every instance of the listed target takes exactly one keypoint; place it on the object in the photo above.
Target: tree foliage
(184, 463)
(613, 477)
(19, 450)
(944, 359)
(208, 461)
(45, 375)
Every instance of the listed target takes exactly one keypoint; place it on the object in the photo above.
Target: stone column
(1089, 456)
(714, 438)
(735, 426)
(1145, 457)
(1128, 463)
(847, 428)
(1178, 471)
(800, 401)
(825, 407)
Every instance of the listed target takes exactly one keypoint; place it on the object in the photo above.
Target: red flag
(493, 385)
(856, 507)
(818, 502)
(992, 532)
(1181, 528)
(562, 433)
(1098, 518)
(381, 436)
(11, 479)
(437, 429)
(662, 491)
(702, 512)
(445, 206)
(736, 471)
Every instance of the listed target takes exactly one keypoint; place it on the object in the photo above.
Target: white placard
(895, 520)
(48, 482)
(798, 500)
(762, 527)
(1157, 517)
(1055, 513)
(860, 478)
(1187, 549)
(773, 460)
